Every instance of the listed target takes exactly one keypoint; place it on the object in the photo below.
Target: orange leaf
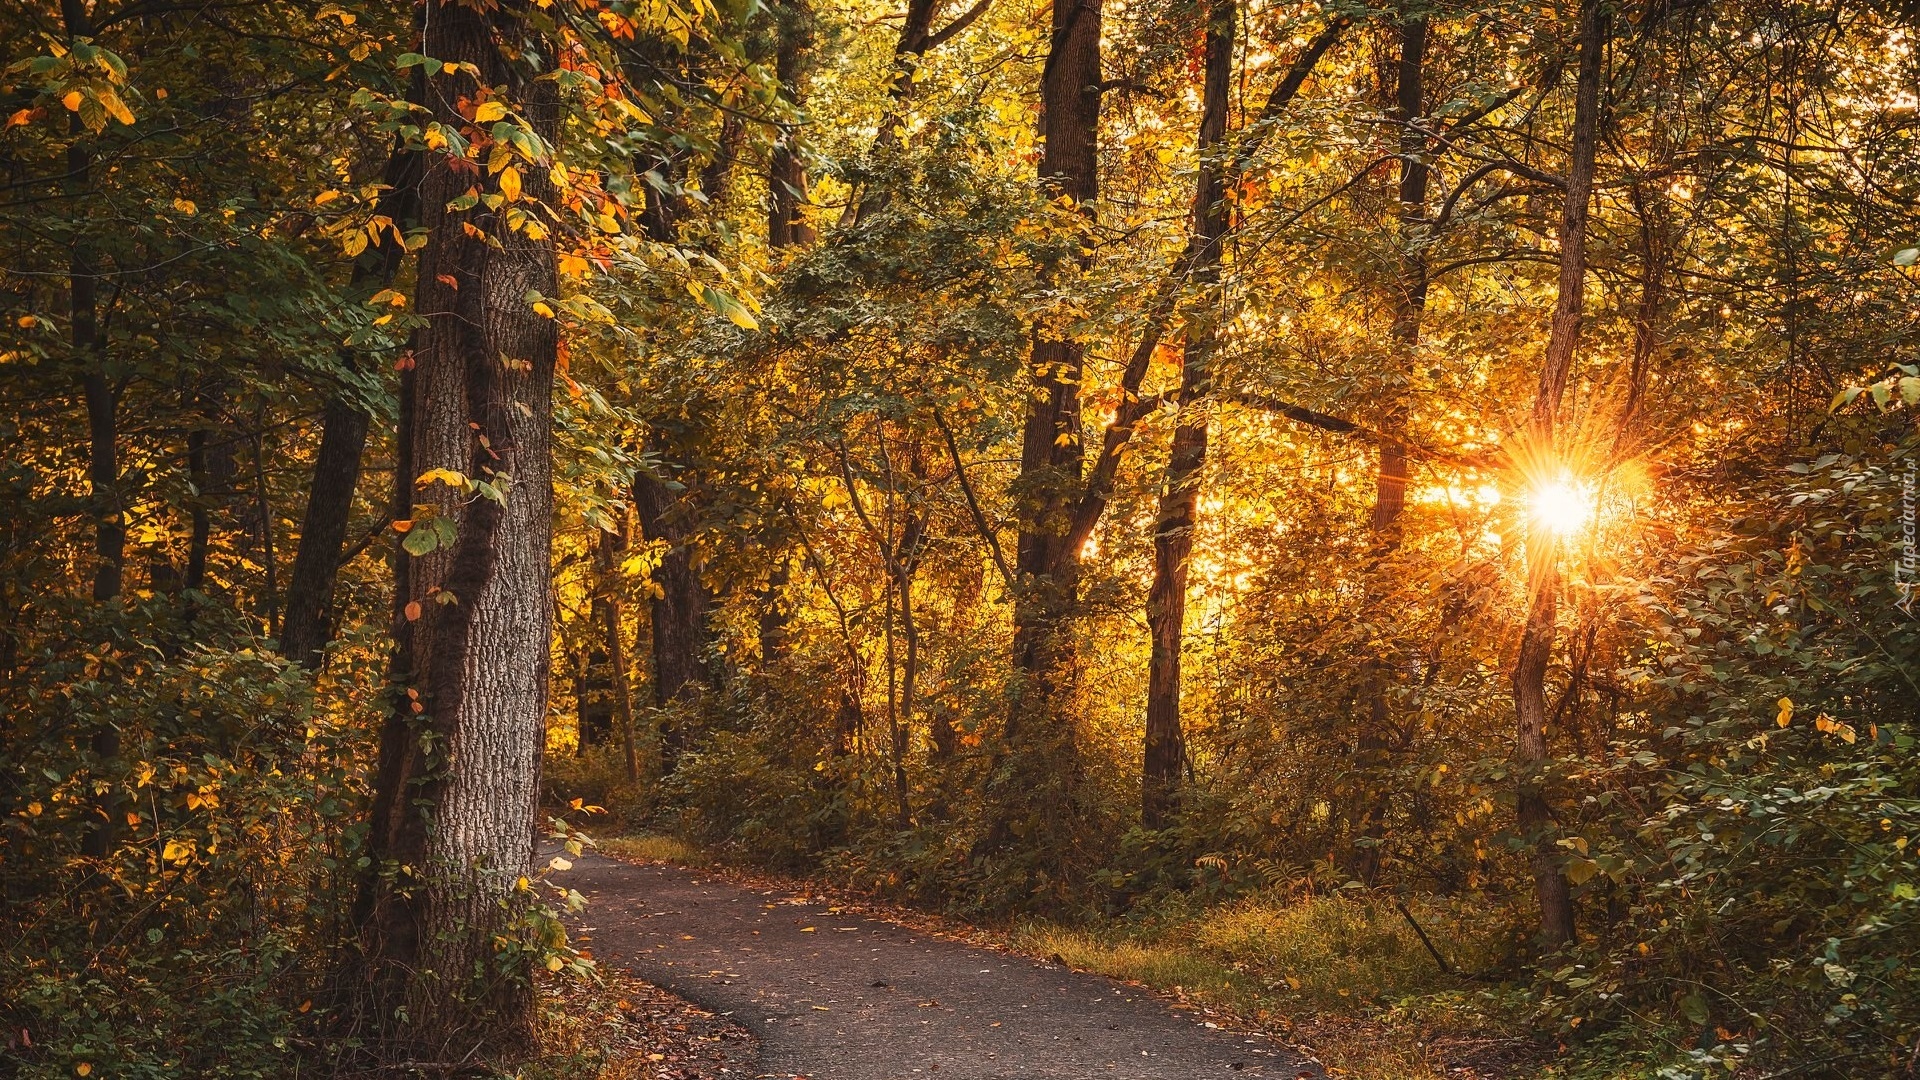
(413, 610)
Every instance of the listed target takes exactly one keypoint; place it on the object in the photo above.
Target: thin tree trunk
(455, 795)
(612, 545)
(917, 36)
(1165, 752)
(905, 559)
(786, 175)
(679, 609)
(103, 460)
(200, 533)
(264, 506)
(1531, 751)
(343, 440)
(1390, 477)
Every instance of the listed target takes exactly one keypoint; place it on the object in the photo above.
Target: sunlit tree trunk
(1037, 776)
(612, 545)
(1531, 751)
(308, 624)
(454, 797)
(1165, 752)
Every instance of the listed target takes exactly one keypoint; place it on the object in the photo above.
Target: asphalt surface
(835, 996)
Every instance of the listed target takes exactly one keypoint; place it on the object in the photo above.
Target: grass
(650, 847)
(1347, 976)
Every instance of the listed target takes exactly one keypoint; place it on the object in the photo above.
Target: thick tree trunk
(454, 803)
(1531, 749)
(1033, 787)
(1165, 755)
(343, 439)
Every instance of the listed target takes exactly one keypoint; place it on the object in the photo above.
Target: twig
(1401, 907)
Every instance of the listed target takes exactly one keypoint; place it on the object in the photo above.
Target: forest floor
(832, 992)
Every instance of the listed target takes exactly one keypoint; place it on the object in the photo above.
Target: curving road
(841, 997)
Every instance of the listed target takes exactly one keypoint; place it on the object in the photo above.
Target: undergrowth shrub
(176, 810)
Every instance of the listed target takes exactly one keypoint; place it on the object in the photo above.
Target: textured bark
(1033, 786)
(679, 609)
(1165, 755)
(343, 439)
(1531, 749)
(1051, 454)
(454, 807)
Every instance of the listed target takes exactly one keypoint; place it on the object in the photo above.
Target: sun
(1562, 505)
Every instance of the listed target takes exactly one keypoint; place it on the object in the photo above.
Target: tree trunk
(200, 534)
(786, 175)
(103, 459)
(1390, 478)
(612, 545)
(679, 610)
(1531, 750)
(455, 796)
(1166, 748)
(1040, 740)
(343, 439)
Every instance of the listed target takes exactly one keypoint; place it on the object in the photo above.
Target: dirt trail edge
(843, 997)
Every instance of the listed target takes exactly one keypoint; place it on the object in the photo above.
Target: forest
(1393, 520)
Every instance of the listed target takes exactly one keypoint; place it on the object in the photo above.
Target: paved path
(840, 997)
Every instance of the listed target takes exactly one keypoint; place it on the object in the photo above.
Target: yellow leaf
(488, 112)
(542, 310)
(555, 963)
(1785, 715)
(175, 851)
(559, 863)
(574, 266)
(85, 1068)
(186, 206)
(444, 476)
(510, 183)
(115, 107)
